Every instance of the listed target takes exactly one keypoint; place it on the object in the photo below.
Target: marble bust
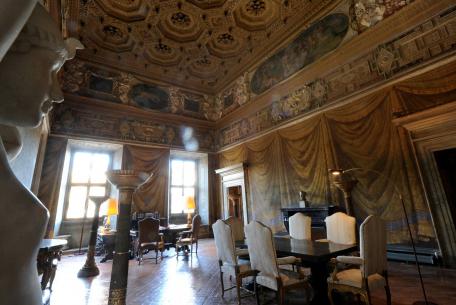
(28, 88)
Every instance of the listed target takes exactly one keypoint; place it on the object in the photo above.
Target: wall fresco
(431, 39)
(81, 78)
(149, 97)
(319, 39)
(74, 120)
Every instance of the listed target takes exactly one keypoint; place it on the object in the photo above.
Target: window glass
(189, 173)
(183, 184)
(76, 202)
(176, 172)
(87, 178)
(81, 167)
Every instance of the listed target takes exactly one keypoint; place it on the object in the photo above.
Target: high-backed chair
(372, 265)
(300, 226)
(263, 259)
(189, 237)
(150, 238)
(228, 257)
(237, 227)
(341, 228)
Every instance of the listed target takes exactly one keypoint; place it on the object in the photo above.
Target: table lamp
(112, 210)
(190, 204)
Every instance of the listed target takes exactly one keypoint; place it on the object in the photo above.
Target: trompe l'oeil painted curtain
(152, 196)
(295, 158)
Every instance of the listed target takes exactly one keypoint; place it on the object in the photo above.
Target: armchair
(263, 259)
(189, 237)
(340, 228)
(150, 238)
(300, 226)
(371, 271)
(228, 257)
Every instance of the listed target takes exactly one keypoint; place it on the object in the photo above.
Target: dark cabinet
(318, 214)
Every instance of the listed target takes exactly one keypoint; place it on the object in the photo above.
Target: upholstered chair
(237, 227)
(371, 271)
(300, 226)
(150, 238)
(227, 254)
(341, 228)
(263, 259)
(189, 237)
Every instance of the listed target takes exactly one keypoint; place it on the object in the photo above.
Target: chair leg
(366, 297)
(156, 256)
(388, 294)
(255, 289)
(221, 282)
(330, 295)
(140, 257)
(238, 288)
(196, 248)
(280, 295)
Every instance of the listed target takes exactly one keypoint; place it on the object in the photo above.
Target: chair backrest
(261, 249)
(300, 226)
(224, 242)
(149, 229)
(341, 228)
(196, 224)
(237, 226)
(373, 245)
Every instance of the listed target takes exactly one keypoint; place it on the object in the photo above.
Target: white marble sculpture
(28, 88)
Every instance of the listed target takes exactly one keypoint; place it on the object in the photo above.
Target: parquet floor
(196, 281)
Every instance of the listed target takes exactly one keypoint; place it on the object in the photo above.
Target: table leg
(319, 283)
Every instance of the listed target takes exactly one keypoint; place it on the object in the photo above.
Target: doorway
(446, 164)
(235, 202)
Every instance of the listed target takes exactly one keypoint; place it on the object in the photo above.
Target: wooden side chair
(371, 272)
(228, 257)
(189, 237)
(263, 259)
(300, 226)
(237, 227)
(150, 238)
(341, 228)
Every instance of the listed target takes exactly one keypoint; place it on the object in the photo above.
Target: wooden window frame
(195, 186)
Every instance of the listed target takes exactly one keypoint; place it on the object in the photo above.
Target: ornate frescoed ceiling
(201, 45)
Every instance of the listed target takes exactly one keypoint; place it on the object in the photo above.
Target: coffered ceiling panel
(201, 45)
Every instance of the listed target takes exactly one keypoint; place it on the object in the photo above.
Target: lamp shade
(112, 207)
(190, 203)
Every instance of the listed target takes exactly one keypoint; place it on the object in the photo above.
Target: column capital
(126, 178)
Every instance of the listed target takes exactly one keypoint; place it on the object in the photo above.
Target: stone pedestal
(90, 267)
(126, 182)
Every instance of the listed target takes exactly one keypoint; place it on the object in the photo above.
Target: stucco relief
(367, 13)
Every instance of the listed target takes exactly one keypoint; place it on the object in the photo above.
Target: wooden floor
(197, 281)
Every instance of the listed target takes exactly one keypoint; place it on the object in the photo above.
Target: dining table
(314, 255)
